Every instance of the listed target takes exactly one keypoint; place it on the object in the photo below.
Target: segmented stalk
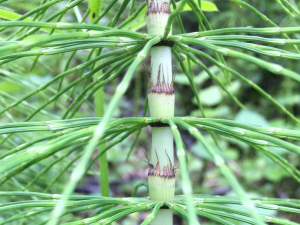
(161, 176)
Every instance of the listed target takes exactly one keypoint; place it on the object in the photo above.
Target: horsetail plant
(46, 132)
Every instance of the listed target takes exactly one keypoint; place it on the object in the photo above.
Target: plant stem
(95, 9)
(161, 176)
(162, 155)
(163, 216)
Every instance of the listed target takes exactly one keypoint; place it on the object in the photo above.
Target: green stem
(163, 216)
(95, 9)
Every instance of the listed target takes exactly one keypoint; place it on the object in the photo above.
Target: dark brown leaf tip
(161, 87)
(167, 172)
(162, 6)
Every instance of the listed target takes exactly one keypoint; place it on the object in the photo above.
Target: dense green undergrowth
(236, 128)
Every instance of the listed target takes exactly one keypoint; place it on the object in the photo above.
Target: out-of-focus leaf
(290, 100)
(220, 111)
(251, 117)
(278, 151)
(199, 150)
(253, 170)
(9, 87)
(10, 15)
(211, 96)
(234, 87)
(138, 25)
(275, 173)
(199, 79)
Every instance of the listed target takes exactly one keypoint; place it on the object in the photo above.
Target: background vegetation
(260, 176)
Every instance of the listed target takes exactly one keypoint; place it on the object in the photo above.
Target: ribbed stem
(161, 176)
(161, 186)
(95, 9)
(162, 139)
(161, 93)
(163, 217)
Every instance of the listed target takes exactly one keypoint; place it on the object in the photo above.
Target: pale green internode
(161, 66)
(163, 217)
(161, 178)
(161, 105)
(162, 138)
(161, 188)
(161, 92)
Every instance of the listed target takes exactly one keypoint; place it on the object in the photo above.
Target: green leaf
(253, 170)
(9, 87)
(205, 6)
(199, 150)
(10, 15)
(199, 79)
(275, 173)
(211, 95)
(251, 117)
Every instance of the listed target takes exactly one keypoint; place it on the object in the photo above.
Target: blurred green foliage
(254, 170)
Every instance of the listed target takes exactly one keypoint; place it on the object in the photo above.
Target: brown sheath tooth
(161, 87)
(163, 172)
(166, 172)
(167, 87)
(163, 83)
(163, 8)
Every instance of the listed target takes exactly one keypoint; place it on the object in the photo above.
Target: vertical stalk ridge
(161, 98)
(95, 9)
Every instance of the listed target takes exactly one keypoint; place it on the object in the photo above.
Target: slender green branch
(138, 185)
(119, 12)
(279, 2)
(132, 7)
(202, 19)
(186, 183)
(264, 18)
(132, 16)
(51, 165)
(294, 9)
(249, 82)
(174, 14)
(98, 83)
(178, 17)
(224, 169)
(273, 41)
(86, 76)
(151, 216)
(249, 134)
(214, 78)
(106, 148)
(35, 10)
(105, 11)
(272, 67)
(58, 13)
(261, 49)
(264, 31)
